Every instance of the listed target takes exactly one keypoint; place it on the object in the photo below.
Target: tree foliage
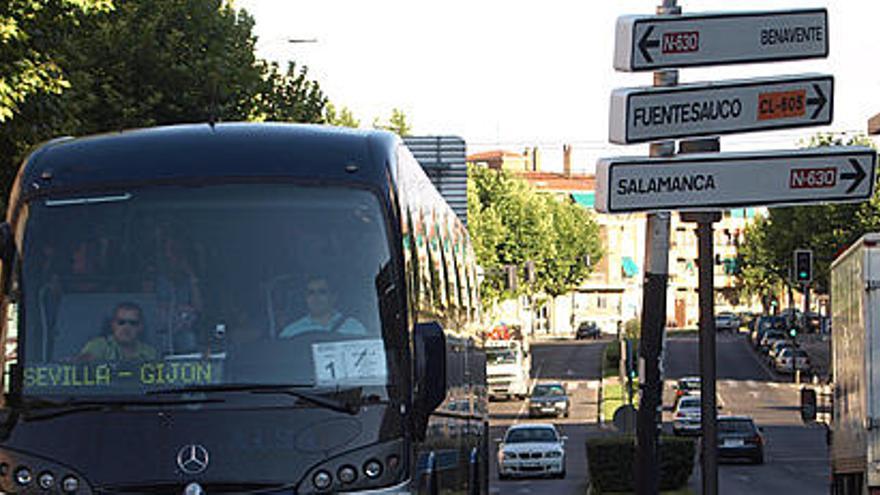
(28, 30)
(397, 123)
(511, 223)
(826, 229)
(155, 62)
(343, 118)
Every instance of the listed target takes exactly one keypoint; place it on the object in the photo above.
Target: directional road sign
(655, 113)
(731, 180)
(655, 42)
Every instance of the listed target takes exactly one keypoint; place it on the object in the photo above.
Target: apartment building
(613, 293)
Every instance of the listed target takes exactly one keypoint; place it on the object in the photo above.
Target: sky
(515, 74)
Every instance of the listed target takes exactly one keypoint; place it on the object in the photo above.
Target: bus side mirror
(430, 373)
(808, 405)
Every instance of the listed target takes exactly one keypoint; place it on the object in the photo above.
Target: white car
(532, 449)
(790, 359)
(686, 420)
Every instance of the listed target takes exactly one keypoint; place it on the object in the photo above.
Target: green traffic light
(793, 332)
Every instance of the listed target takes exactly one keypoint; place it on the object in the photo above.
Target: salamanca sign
(677, 183)
(735, 180)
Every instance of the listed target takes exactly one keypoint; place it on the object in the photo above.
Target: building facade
(612, 294)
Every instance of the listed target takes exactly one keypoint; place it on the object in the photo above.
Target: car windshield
(524, 435)
(500, 356)
(171, 287)
(735, 426)
(548, 391)
(689, 403)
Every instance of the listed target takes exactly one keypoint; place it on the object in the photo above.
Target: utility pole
(653, 322)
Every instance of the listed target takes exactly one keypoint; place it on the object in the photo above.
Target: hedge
(611, 459)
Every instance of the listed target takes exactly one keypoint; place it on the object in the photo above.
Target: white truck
(508, 366)
(855, 360)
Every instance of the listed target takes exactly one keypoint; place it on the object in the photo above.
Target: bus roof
(182, 153)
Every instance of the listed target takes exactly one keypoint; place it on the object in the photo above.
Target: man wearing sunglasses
(123, 343)
(323, 316)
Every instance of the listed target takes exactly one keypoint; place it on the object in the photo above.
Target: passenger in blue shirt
(323, 316)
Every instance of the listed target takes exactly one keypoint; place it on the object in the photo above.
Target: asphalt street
(576, 364)
(796, 455)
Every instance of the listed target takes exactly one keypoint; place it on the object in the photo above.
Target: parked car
(588, 330)
(686, 418)
(726, 322)
(738, 438)
(776, 347)
(532, 449)
(549, 399)
(770, 338)
(763, 325)
(688, 385)
(790, 359)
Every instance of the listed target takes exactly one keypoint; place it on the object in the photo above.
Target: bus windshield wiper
(56, 408)
(292, 389)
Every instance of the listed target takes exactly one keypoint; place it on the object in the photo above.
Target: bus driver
(323, 316)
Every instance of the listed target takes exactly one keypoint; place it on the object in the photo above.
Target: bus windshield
(167, 288)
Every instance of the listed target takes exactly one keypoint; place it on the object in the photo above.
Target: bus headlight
(23, 476)
(322, 480)
(373, 468)
(46, 481)
(70, 484)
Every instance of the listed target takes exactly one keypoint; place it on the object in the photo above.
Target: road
(577, 365)
(796, 455)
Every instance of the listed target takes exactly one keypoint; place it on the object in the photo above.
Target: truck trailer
(855, 355)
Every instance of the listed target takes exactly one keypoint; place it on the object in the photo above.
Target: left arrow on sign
(646, 43)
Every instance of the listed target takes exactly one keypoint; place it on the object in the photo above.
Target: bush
(632, 329)
(611, 461)
(612, 356)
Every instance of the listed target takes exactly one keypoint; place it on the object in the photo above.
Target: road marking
(773, 384)
(593, 384)
(752, 383)
(572, 386)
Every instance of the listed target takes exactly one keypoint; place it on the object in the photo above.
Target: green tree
(826, 229)
(157, 62)
(343, 118)
(291, 97)
(511, 223)
(397, 123)
(28, 30)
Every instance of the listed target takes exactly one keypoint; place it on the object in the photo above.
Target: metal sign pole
(708, 374)
(649, 420)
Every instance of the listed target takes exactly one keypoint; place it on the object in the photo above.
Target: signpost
(655, 42)
(712, 181)
(735, 180)
(652, 113)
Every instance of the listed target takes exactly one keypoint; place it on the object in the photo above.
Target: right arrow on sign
(856, 177)
(818, 101)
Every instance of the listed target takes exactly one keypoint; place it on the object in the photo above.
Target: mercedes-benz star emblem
(192, 459)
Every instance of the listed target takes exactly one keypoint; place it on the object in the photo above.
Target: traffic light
(793, 332)
(803, 266)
